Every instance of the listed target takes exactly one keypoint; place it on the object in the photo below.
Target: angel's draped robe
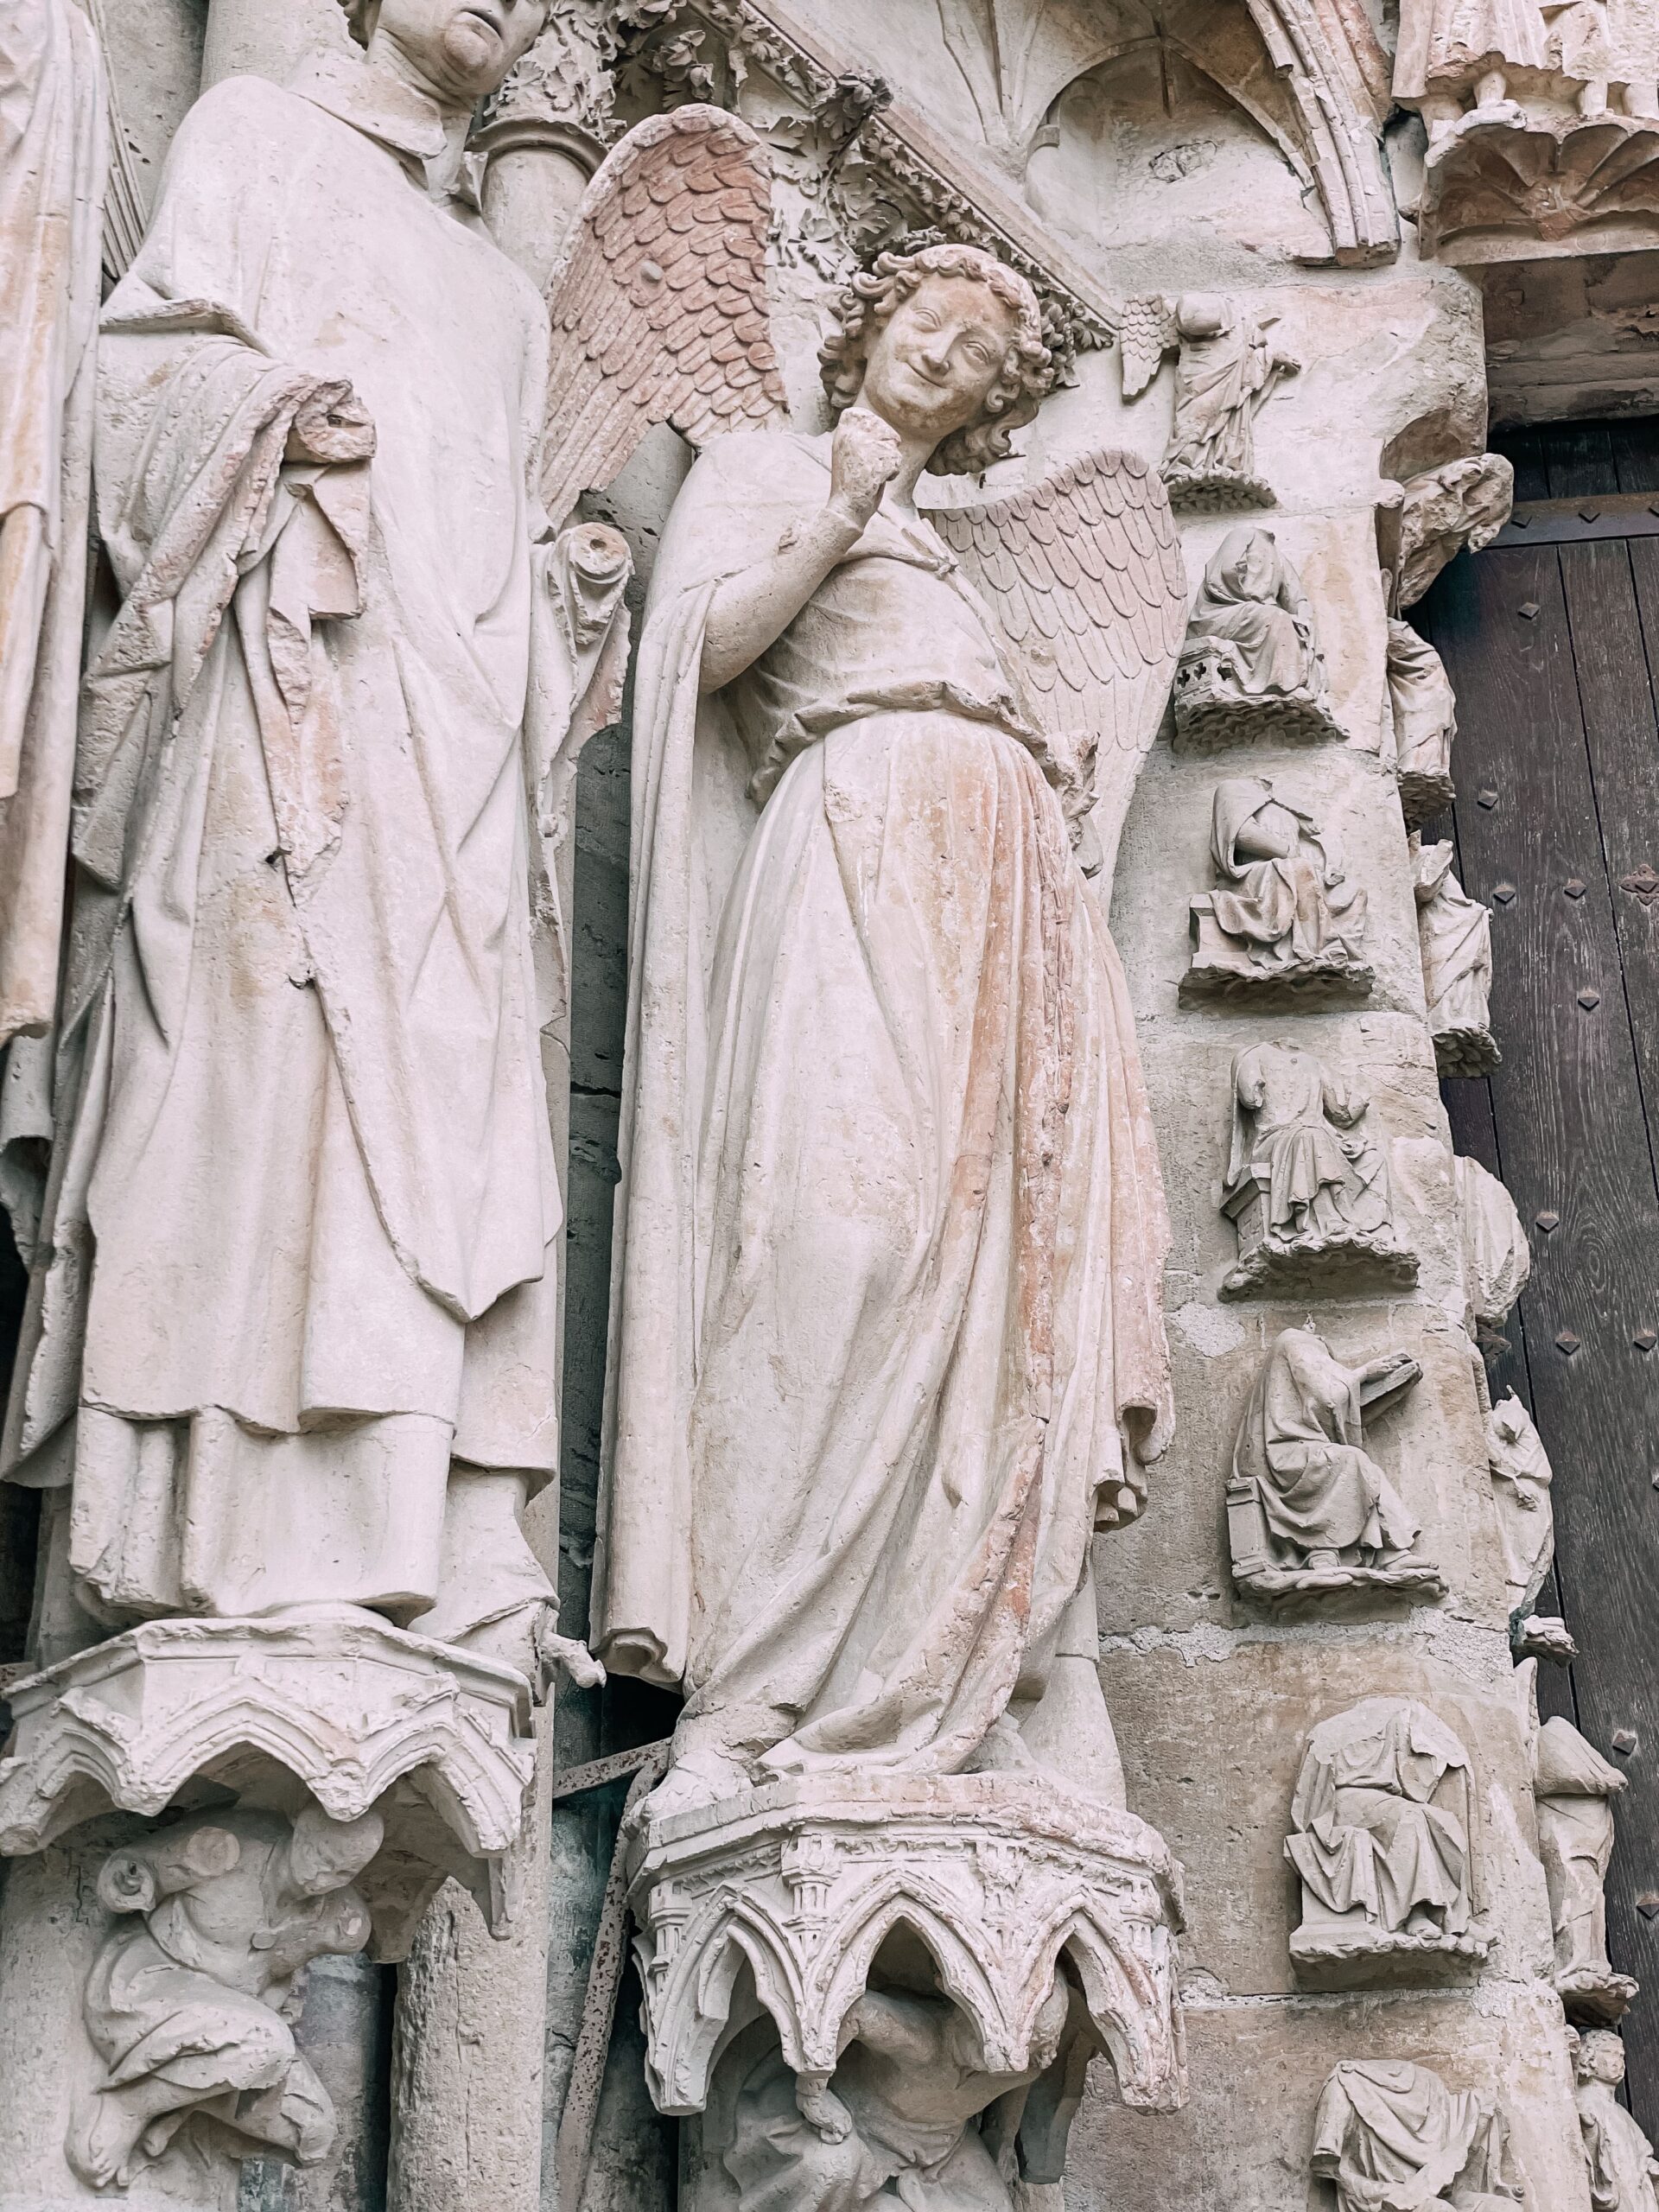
(891, 1232)
(305, 1203)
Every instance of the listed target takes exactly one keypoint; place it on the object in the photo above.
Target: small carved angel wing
(1146, 333)
(659, 309)
(1083, 574)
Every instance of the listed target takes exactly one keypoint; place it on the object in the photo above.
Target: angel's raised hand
(865, 455)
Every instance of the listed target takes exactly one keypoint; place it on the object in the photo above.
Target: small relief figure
(1306, 1187)
(191, 1998)
(1454, 932)
(1390, 2137)
(909, 2116)
(1250, 666)
(1425, 723)
(1459, 507)
(1521, 1480)
(1285, 923)
(1456, 60)
(1229, 368)
(1624, 2172)
(1496, 1258)
(1379, 1834)
(1308, 1509)
(1575, 1788)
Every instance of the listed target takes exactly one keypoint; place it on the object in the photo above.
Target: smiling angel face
(458, 49)
(944, 343)
(938, 357)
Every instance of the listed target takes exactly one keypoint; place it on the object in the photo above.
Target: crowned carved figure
(1455, 934)
(1306, 1185)
(1624, 2171)
(1228, 369)
(1308, 1509)
(292, 1330)
(887, 1347)
(1285, 922)
(1380, 1838)
(1390, 2137)
(1575, 1788)
(1250, 666)
(191, 1998)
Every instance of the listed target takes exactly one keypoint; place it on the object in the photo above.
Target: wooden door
(1551, 639)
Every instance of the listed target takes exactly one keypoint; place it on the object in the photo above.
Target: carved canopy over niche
(1307, 73)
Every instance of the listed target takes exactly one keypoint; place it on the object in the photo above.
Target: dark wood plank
(1579, 458)
(1524, 450)
(1622, 731)
(1569, 1129)
(1635, 442)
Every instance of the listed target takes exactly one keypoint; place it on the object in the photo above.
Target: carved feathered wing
(1084, 575)
(1145, 334)
(659, 308)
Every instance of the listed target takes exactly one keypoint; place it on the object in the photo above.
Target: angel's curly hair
(1028, 368)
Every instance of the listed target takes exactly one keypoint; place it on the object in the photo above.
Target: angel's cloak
(298, 1244)
(890, 1232)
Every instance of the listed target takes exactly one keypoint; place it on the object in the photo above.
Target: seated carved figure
(1390, 2137)
(1251, 664)
(1380, 1838)
(1306, 1186)
(1308, 1508)
(191, 1999)
(1284, 919)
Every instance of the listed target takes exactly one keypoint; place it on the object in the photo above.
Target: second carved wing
(1084, 574)
(659, 309)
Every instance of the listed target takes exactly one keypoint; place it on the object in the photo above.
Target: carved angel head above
(947, 341)
(457, 50)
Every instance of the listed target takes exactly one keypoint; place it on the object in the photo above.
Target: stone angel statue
(887, 1345)
(292, 1330)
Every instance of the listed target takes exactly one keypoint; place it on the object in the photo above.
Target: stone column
(268, 38)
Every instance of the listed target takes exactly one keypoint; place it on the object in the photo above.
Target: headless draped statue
(887, 1345)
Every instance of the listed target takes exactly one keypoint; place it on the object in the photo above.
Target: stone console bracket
(999, 1875)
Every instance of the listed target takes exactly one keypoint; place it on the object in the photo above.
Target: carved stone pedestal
(833, 1930)
(1212, 710)
(362, 1714)
(1221, 975)
(1270, 1263)
(1215, 491)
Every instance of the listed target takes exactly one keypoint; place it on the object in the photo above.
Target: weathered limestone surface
(1214, 187)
